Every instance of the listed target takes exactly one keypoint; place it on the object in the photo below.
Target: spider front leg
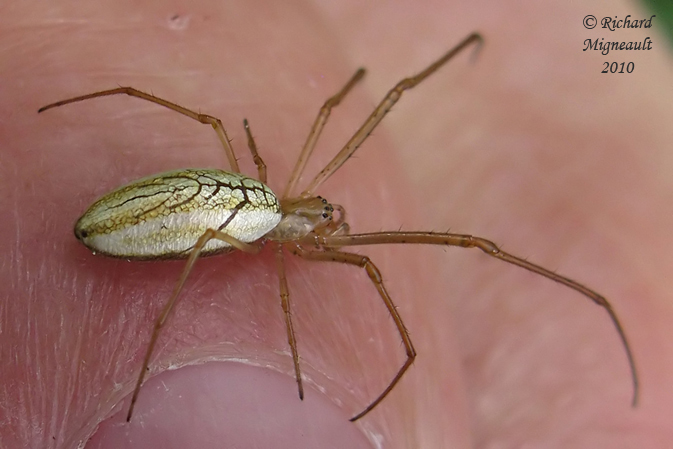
(316, 130)
(375, 276)
(488, 247)
(382, 109)
(207, 236)
(215, 122)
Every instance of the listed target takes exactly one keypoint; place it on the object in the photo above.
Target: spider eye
(324, 215)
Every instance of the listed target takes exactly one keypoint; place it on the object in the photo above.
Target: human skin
(529, 146)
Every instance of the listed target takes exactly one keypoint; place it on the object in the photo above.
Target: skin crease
(530, 146)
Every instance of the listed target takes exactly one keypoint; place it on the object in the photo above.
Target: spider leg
(259, 162)
(215, 122)
(168, 308)
(285, 304)
(488, 247)
(382, 109)
(316, 130)
(375, 276)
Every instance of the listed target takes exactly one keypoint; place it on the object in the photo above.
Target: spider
(192, 213)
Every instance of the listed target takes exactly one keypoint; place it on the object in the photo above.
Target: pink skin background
(530, 146)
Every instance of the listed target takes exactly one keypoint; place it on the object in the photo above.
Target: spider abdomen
(162, 216)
